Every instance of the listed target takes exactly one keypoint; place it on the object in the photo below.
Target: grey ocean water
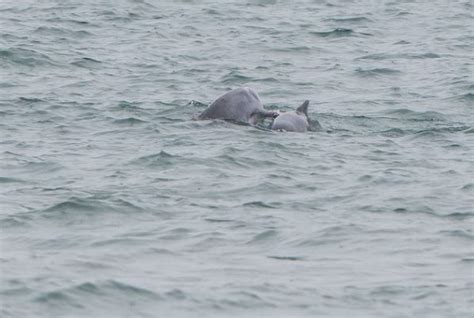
(114, 202)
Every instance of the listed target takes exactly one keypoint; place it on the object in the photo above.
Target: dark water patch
(214, 220)
(79, 209)
(36, 166)
(458, 215)
(469, 130)
(110, 290)
(258, 204)
(129, 106)
(130, 121)
(176, 234)
(467, 234)
(54, 31)
(453, 146)
(287, 258)
(339, 32)
(433, 132)
(11, 180)
(230, 160)
(408, 114)
(429, 211)
(16, 291)
(173, 112)
(391, 56)
(394, 132)
(293, 49)
(468, 187)
(15, 221)
(402, 42)
(351, 20)
(162, 159)
(240, 301)
(57, 299)
(176, 294)
(264, 237)
(71, 21)
(235, 78)
(121, 242)
(374, 72)
(87, 62)
(25, 57)
(29, 101)
(160, 251)
(468, 97)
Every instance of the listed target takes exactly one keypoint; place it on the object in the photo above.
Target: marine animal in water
(239, 105)
(297, 121)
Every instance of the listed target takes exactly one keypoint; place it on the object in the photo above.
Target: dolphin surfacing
(240, 105)
(297, 121)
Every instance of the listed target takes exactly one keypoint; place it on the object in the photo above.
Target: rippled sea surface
(114, 202)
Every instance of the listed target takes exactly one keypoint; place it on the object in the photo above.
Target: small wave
(394, 132)
(235, 78)
(75, 204)
(40, 167)
(62, 32)
(293, 49)
(130, 121)
(161, 159)
(469, 130)
(468, 187)
(214, 220)
(70, 21)
(85, 292)
(195, 103)
(30, 100)
(350, 19)
(468, 97)
(427, 210)
(87, 62)
(408, 114)
(259, 204)
(11, 180)
(436, 131)
(76, 207)
(385, 56)
(339, 32)
(263, 237)
(376, 72)
(458, 215)
(14, 221)
(25, 57)
(125, 105)
(287, 258)
(459, 233)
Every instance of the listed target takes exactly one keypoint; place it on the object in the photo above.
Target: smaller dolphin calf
(240, 105)
(294, 121)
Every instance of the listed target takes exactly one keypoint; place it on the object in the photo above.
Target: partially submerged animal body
(297, 121)
(242, 105)
(239, 105)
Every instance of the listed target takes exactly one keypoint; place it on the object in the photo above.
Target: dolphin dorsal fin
(303, 108)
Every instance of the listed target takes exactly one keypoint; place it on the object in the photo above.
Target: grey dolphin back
(241, 105)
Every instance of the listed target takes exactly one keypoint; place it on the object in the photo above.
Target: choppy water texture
(115, 203)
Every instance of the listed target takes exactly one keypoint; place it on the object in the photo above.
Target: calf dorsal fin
(303, 109)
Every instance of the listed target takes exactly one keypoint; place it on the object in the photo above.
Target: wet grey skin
(240, 105)
(297, 121)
